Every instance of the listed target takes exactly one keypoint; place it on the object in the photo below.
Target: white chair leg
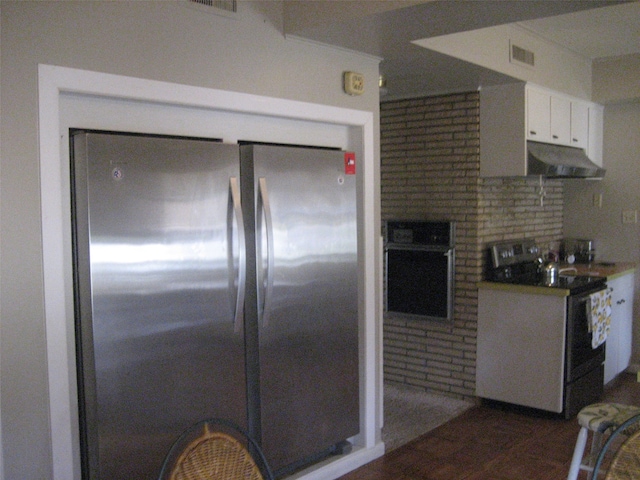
(596, 445)
(578, 453)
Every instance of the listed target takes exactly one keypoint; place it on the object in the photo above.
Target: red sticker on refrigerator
(350, 163)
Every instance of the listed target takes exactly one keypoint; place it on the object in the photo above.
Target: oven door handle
(419, 248)
(584, 297)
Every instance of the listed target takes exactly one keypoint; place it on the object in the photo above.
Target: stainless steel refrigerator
(212, 280)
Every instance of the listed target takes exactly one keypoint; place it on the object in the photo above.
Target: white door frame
(87, 87)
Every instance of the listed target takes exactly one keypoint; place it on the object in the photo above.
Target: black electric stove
(517, 262)
(511, 373)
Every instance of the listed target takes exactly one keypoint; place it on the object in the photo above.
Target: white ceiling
(592, 28)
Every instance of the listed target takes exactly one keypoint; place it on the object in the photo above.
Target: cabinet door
(620, 337)
(612, 351)
(521, 348)
(560, 120)
(579, 125)
(622, 313)
(538, 115)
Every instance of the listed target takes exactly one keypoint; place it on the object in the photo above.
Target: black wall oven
(419, 269)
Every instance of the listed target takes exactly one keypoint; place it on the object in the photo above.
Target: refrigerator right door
(306, 271)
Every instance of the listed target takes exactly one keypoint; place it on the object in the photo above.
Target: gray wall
(160, 40)
(620, 190)
(615, 84)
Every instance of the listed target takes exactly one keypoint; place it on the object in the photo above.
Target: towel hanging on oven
(599, 316)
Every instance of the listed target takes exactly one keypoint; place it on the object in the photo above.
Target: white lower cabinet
(619, 340)
(521, 348)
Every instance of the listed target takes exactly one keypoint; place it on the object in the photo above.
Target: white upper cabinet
(580, 125)
(555, 118)
(560, 120)
(538, 115)
(514, 113)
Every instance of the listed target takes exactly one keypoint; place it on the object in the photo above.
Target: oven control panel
(515, 252)
(419, 233)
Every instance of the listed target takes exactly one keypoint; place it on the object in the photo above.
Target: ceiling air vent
(521, 56)
(226, 5)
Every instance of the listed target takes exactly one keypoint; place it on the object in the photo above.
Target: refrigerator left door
(157, 258)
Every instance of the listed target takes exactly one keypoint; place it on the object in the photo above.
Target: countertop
(598, 269)
(526, 289)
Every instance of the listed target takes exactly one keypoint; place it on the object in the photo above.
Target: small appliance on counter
(576, 250)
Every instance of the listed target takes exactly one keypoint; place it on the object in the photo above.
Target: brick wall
(430, 170)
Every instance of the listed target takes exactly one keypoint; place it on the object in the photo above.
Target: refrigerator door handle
(264, 207)
(236, 294)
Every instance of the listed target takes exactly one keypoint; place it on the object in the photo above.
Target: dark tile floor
(492, 443)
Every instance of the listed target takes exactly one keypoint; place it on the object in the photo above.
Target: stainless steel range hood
(557, 161)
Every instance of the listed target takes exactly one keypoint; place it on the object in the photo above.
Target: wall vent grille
(226, 5)
(522, 56)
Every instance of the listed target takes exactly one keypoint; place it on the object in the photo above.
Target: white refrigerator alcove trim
(70, 98)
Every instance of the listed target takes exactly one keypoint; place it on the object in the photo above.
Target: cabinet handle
(532, 132)
(555, 137)
(575, 140)
(620, 302)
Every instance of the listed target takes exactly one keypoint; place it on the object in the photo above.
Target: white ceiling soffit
(494, 48)
(592, 34)
(605, 32)
(567, 42)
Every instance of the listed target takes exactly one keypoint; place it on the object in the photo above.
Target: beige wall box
(353, 83)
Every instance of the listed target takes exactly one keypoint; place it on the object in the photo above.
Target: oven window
(418, 283)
